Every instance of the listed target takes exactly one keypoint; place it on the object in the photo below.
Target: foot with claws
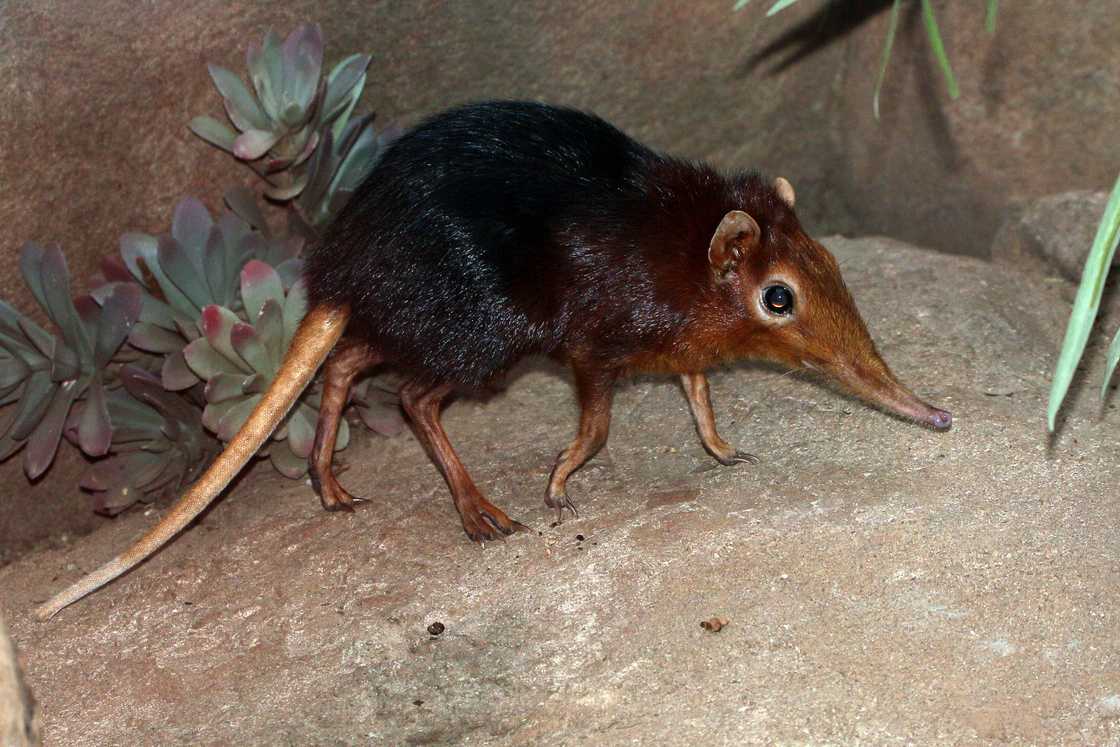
(485, 522)
(700, 402)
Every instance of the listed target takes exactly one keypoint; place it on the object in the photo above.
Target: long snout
(878, 386)
(904, 404)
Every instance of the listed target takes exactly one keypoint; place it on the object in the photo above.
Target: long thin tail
(320, 329)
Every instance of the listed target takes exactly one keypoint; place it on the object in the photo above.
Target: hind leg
(349, 358)
(482, 520)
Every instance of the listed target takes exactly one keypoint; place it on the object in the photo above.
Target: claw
(739, 457)
(485, 522)
(561, 502)
(497, 524)
(339, 501)
(331, 494)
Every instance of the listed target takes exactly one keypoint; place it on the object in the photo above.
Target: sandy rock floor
(882, 583)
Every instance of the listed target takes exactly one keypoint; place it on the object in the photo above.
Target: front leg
(595, 389)
(700, 402)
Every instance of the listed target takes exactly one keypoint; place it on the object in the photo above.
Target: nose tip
(941, 420)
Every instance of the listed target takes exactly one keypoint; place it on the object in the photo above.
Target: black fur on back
(502, 229)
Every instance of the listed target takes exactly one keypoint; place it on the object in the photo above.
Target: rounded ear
(784, 190)
(736, 235)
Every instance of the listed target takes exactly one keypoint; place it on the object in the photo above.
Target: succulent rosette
(158, 443)
(292, 126)
(238, 360)
(44, 375)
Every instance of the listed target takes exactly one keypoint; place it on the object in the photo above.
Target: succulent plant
(158, 443)
(294, 128)
(338, 166)
(376, 402)
(46, 374)
(239, 360)
(193, 267)
(209, 309)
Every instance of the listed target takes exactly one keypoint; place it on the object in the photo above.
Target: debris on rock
(714, 625)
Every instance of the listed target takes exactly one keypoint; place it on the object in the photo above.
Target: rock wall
(1031, 120)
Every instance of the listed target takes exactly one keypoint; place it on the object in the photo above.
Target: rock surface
(19, 723)
(1051, 236)
(881, 582)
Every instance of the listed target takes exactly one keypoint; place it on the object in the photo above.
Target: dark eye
(778, 299)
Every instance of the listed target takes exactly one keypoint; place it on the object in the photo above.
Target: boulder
(880, 582)
(1051, 236)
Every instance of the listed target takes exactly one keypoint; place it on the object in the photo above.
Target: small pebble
(436, 628)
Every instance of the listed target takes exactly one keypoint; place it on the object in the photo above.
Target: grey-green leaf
(295, 306)
(285, 462)
(213, 132)
(243, 202)
(155, 339)
(250, 348)
(56, 291)
(95, 433)
(176, 375)
(36, 399)
(190, 226)
(118, 315)
(242, 106)
(43, 444)
(30, 262)
(180, 270)
(346, 76)
(282, 194)
(252, 144)
(270, 327)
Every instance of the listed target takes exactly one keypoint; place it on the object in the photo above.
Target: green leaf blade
(1085, 304)
(213, 132)
(888, 45)
(990, 16)
(938, 46)
(779, 6)
(1110, 364)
